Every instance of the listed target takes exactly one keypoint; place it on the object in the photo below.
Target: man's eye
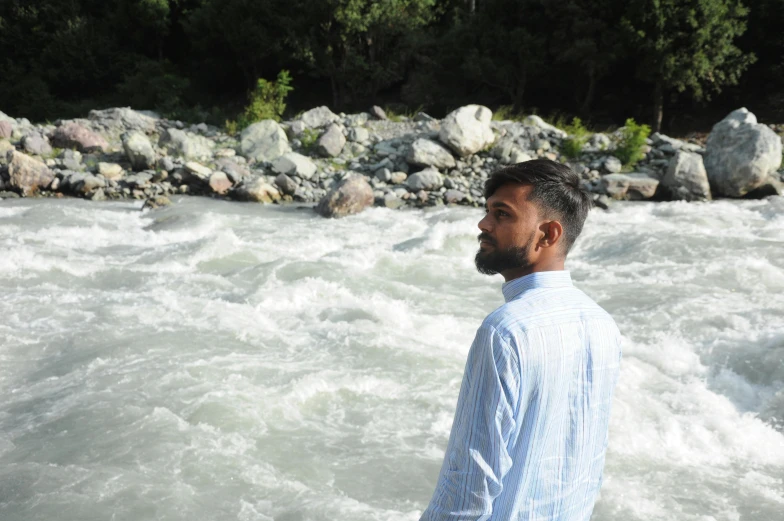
(501, 214)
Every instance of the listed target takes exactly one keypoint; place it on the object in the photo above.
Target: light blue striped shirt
(530, 430)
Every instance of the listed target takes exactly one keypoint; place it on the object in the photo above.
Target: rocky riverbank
(346, 162)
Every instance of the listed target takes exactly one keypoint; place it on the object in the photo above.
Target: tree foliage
(569, 56)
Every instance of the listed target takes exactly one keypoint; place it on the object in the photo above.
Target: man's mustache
(485, 237)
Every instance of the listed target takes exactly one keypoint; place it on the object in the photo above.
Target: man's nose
(484, 224)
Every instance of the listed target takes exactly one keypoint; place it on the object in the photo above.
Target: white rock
(686, 178)
(292, 163)
(264, 141)
(741, 154)
(467, 130)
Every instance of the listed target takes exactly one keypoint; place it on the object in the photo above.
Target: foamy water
(225, 361)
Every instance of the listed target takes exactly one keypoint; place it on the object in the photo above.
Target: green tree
(362, 46)
(584, 36)
(686, 45)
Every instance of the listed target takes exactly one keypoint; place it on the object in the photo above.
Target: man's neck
(553, 265)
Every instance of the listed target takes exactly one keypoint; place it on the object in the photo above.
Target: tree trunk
(471, 6)
(658, 106)
(588, 100)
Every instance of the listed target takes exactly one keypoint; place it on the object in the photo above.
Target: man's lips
(486, 240)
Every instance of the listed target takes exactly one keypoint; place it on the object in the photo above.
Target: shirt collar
(538, 279)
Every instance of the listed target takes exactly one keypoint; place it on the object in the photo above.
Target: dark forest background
(681, 63)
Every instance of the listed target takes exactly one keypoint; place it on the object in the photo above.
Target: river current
(228, 361)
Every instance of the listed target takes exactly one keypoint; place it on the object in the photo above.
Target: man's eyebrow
(499, 204)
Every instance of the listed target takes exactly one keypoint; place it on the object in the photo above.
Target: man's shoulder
(545, 307)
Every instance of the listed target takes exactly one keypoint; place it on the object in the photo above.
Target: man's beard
(497, 261)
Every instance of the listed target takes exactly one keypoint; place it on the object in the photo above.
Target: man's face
(509, 231)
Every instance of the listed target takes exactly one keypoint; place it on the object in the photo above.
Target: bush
(267, 100)
(507, 112)
(633, 136)
(578, 135)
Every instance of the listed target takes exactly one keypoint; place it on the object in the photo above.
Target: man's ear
(552, 231)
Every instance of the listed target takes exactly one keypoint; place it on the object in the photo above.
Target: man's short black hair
(556, 189)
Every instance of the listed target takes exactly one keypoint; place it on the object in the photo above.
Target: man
(530, 430)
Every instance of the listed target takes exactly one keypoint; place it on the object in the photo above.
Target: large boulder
(318, 117)
(424, 152)
(122, 119)
(351, 195)
(686, 178)
(467, 130)
(331, 142)
(74, 135)
(741, 154)
(183, 144)
(292, 163)
(139, 150)
(26, 174)
(256, 189)
(427, 179)
(634, 186)
(264, 141)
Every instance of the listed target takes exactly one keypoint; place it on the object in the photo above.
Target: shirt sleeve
(477, 456)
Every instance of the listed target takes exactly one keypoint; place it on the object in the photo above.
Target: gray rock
(350, 196)
(233, 169)
(139, 150)
(741, 155)
(509, 152)
(428, 179)
(73, 135)
(378, 113)
(72, 159)
(292, 163)
(536, 121)
(383, 175)
(26, 174)
(319, 117)
(454, 196)
(358, 134)
(686, 178)
(629, 186)
(467, 130)
(424, 152)
(256, 189)
(264, 141)
(331, 142)
(612, 164)
(87, 184)
(186, 145)
(286, 184)
(166, 164)
(36, 144)
(121, 119)
(157, 201)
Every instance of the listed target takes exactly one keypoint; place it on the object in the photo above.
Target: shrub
(578, 135)
(308, 139)
(267, 100)
(631, 143)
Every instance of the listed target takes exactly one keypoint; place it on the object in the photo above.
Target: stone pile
(346, 162)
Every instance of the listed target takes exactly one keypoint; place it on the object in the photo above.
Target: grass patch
(507, 113)
(308, 138)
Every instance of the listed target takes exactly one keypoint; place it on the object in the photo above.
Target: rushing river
(229, 361)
